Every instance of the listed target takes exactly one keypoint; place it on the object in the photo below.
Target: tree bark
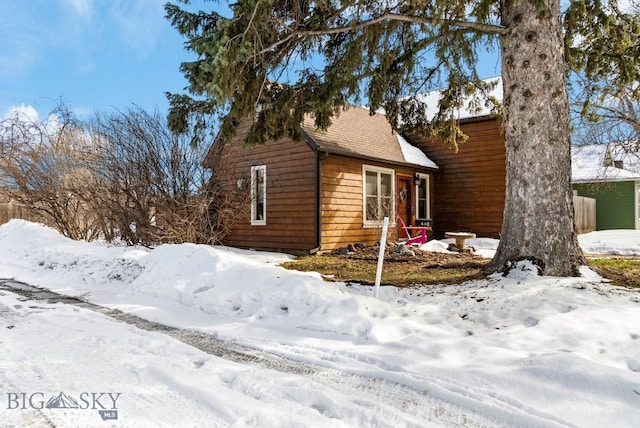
(538, 217)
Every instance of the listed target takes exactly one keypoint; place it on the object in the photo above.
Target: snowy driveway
(115, 369)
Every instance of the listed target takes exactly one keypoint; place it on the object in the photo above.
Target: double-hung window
(259, 195)
(423, 210)
(378, 200)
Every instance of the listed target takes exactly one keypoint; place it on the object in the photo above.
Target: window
(378, 195)
(422, 200)
(259, 195)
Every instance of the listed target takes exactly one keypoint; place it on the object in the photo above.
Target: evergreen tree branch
(388, 16)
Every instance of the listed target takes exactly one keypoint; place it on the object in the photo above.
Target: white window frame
(379, 170)
(420, 177)
(255, 214)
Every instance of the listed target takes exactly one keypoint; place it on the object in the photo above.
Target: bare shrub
(121, 175)
(152, 187)
(40, 165)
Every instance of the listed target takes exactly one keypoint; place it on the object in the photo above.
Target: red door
(404, 202)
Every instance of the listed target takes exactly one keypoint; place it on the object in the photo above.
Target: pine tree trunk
(538, 216)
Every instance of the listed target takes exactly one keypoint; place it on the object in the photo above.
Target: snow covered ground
(521, 350)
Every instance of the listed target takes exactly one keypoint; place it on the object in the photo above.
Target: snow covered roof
(596, 162)
(470, 109)
(627, 152)
(355, 132)
(414, 155)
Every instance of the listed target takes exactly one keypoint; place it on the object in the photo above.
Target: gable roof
(357, 133)
(588, 163)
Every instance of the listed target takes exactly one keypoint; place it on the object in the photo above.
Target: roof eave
(481, 118)
(373, 159)
(603, 180)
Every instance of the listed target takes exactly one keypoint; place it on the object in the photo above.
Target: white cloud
(23, 112)
(29, 114)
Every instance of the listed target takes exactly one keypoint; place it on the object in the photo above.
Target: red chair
(420, 239)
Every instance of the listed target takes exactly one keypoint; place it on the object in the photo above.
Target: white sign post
(383, 245)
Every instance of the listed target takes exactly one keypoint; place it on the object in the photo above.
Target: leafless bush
(152, 186)
(123, 175)
(38, 169)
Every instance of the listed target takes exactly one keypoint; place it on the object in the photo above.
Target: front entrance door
(404, 201)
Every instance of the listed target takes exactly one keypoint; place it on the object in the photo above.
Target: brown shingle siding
(470, 186)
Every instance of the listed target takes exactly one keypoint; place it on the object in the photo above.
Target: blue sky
(92, 54)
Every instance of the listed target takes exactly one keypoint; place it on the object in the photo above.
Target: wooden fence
(12, 209)
(584, 214)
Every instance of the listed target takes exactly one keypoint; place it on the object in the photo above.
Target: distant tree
(42, 165)
(390, 52)
(606, 107)
(609, 116)
(617, 120)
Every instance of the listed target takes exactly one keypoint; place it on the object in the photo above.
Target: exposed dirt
(359, 265)
(624, 271)
(422, 259)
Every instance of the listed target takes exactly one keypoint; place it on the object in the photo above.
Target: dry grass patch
(402, 271)
(434, 268)
(622, 271)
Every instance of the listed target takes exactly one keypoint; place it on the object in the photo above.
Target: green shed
(616, 189)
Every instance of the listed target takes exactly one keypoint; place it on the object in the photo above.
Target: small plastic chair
(420, 239)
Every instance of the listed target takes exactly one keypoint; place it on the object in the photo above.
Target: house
(332, 189)
(328, 191)
(610, 174)
(329, 174)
